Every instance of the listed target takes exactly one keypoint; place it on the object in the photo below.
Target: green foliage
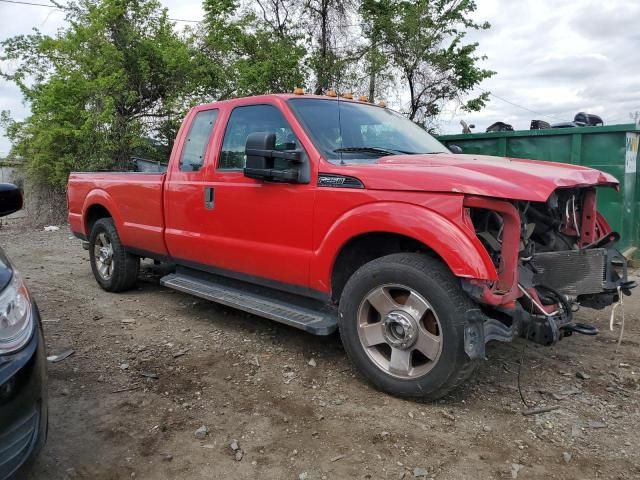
(116, 75)
(331, 66)
(424, 39)
(258, 55)
(117, 80)
(271, 65)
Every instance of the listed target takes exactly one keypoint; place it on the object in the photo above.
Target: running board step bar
(322, 321)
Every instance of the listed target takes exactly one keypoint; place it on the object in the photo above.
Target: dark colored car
(23, 377)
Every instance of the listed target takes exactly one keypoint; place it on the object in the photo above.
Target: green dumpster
(611, 148)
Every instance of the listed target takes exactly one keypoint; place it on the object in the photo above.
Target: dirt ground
(293, 403)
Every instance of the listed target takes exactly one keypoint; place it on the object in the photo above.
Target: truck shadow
(237, 321)
(497, 376)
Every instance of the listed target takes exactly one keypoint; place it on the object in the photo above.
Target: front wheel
(114, 268)
(402, 322)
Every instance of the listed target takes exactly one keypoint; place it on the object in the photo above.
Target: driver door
(259, 230)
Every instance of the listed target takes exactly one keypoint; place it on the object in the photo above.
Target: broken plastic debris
(51, 228)
(61, 356)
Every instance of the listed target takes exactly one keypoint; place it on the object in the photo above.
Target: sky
(553, 58)
(557, 58)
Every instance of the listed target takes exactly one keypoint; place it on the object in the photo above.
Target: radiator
(571, 272)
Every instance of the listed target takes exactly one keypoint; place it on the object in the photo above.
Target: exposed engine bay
(551, 258)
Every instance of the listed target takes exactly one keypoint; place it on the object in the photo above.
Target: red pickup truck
(325, 213)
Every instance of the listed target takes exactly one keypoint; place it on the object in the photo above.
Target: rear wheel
(113, 267)
(402, 324)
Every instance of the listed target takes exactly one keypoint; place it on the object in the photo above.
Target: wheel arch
(94, 213)
(370, 229)
(99, 204)
(366, 247)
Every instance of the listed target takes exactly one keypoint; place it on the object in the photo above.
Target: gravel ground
(152, 367)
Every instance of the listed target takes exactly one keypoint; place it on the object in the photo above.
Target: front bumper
(594, 278)
(23, 403)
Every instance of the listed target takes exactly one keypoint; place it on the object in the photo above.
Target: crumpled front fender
(450, 238)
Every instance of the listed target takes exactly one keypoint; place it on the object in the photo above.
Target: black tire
(124, 273)
(431, 279)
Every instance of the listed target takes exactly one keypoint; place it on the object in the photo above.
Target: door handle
(209, 198)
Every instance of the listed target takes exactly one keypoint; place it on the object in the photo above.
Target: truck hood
(509, 178)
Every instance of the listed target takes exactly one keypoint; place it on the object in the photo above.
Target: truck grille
(571, 272)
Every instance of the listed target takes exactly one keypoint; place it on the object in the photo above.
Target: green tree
(118, 78)
(325, 21)
(115, 81)
(424, 40)
(258, 53)
(377, 65)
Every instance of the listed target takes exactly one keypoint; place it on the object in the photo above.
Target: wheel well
(95, 213)
(364, 248)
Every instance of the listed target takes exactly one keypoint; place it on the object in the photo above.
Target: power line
(522, 107)
(30, 3)
(55, 7)
(622, 120)
(184, 20)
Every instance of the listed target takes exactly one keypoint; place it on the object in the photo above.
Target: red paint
(479, 175)
(293, 233)
(134, 200)
(547, 308)
(589, 219)
(507, 285)
(602, 226)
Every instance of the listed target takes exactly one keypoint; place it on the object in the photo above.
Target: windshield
(347, 132)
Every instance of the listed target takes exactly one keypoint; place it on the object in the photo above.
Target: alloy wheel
(399, 331)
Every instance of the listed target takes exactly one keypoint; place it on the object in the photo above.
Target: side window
(246, 120)
(195, 145)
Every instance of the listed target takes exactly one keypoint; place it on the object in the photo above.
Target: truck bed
(134, 199)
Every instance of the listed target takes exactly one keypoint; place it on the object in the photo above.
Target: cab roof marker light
(332, 93)
(363, 98)
(298, 91)
(348, 96)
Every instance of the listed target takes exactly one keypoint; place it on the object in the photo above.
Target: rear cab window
(195, 145)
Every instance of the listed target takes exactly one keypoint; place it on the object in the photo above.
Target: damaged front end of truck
(551, 257)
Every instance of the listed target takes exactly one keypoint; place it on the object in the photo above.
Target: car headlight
(16, 324)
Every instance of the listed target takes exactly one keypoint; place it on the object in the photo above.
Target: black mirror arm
(291, 155)
(272, 174)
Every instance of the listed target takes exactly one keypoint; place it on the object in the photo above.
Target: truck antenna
(342, 162)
